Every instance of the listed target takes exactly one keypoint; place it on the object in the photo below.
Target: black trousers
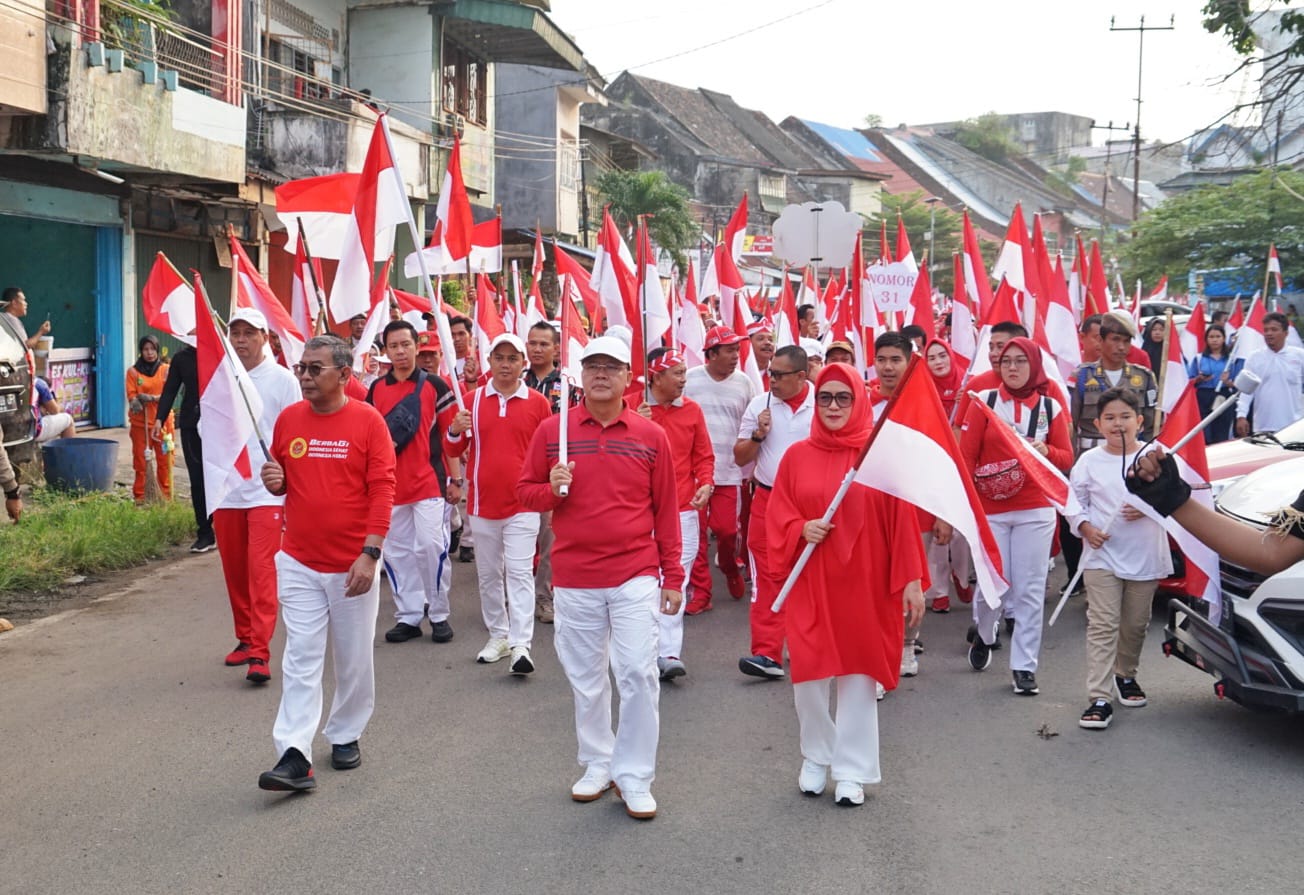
(193, 450)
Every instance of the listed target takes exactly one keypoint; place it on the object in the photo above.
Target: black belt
(762, 487)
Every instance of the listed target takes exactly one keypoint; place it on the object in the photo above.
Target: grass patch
(62, 535)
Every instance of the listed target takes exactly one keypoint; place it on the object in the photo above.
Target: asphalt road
(132, 756)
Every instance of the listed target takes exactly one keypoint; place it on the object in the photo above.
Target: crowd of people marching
(593, 506)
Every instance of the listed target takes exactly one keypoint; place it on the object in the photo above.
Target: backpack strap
(991, 398)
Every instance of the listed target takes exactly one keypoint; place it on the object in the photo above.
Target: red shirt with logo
(339, 482)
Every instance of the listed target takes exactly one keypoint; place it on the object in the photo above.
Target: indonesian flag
(226, 423)
(379, 206)
(305, 295)
(529, 308)
(488, 322)
(169, 301)
(1249, 335)
(1236, 319)
(486, 254)
(977, 287)
(377, 317)
(964, 340)
(453, 213)
(1048, 481)
(1002, 308)
(1010, 263)
(579, 288)
(1274, 266)
(323, 206)
(786, 329)
(252, 291)
(913, 435)
(536, 276)
(573, 338)
(1097, 299)
(1175, 377)
(1202, 574)
(1192, 337)
(736, 230)
(904, 253)
(651, 297)
(920, 311)
(1054, 308)
(1160, 292)
(410, 302)
(690, 331)
(613, 276)
(733, 308)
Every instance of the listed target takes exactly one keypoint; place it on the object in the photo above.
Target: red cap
(427, 341)
(720, 335)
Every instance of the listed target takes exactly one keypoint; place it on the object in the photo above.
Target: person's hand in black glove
(1154, 478)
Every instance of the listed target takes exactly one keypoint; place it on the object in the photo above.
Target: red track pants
(248, 541)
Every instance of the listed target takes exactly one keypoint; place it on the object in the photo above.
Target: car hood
(1233, 459)
(1257, 497)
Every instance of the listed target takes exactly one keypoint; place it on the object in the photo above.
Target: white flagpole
(810, 548)
(564, 381)
(436, 301)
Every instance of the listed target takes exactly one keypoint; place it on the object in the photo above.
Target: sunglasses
(314, 370)
(828, 399)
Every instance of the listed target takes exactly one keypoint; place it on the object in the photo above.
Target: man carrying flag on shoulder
(248, 521)
(333, 460)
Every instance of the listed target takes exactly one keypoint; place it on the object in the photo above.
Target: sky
(836, 61)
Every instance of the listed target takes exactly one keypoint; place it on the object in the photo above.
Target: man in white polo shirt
(771, 424)
(723, 392)
(1280, 366)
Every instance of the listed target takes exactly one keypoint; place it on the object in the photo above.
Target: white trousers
(311, 603)
(1024, 538)
(417, 539)
(945, 561)
(504, 564)
(849, 745)
(672, 626)
(613, 626)
(53, 425)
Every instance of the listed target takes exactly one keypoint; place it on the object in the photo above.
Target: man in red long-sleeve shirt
(694, 459)
(615, 562)
(333, 459)
(501, 419)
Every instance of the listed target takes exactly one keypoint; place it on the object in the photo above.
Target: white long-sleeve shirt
(1137, 550)
(1278, 401)
(278, 389)
(723, 401)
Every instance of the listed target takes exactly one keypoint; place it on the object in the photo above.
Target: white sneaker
(494, 650)
(813, 778)
(848, 794)
(909, 664)
(521, 661)
(639, 803)
(879, 691)
(592, 785)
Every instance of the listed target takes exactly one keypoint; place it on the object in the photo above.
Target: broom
(153, 494)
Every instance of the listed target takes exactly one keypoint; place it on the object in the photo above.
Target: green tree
(916, 213)
(873, 119)
(1218, 227)
(988, 135)
(629, 194)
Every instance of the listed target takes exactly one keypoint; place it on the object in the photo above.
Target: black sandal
(1097, 716)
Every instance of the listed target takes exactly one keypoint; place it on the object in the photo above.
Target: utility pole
(1104, 190)
(1141, 30)
(931, 202)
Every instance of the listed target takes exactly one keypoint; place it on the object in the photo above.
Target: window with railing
(294, 73)
(464, 86)
(568, 164)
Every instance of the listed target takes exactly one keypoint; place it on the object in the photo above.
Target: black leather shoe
(403, 632)
(293, 773)
(466, 554)
(346, 756)
(441, 632)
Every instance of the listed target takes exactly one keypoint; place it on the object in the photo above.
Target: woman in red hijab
(845, 615)
(1022, 521)
(947, 369)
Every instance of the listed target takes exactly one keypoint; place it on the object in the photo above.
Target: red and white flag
(378, 207)
(1192, 336)
(529, 306)
(305, 299)
(489, 323)
(226, 421)
(169, 301)
(573, 338)
(1160, 292)
(453, 213)
(252, 291)
(964, 338)
(735, 232)
(920, 311)
(904, 254)
(651, 297)
(690, 331)
(377, 318)
(1002, 308)
(614, 277)
(579, 288)
(486, 255)
(1175, 376)
(1237, 317)
(1048, 481)
(1202, 573)
(914, 434)
(1249, 334)
(786, 326)
(1274, 266)
(735, 314)
(323, 206)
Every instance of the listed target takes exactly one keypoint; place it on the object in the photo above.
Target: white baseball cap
(252, 316)
(508, 339)
(607, 346)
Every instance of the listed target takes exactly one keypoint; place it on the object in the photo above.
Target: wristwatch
(755, 439)
(458, 482)
(373, 552)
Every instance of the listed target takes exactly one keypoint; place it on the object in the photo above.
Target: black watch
(11, 495)
(373, 552)
(755, 439)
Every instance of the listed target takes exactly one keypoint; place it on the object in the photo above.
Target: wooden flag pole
(1163, 374)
